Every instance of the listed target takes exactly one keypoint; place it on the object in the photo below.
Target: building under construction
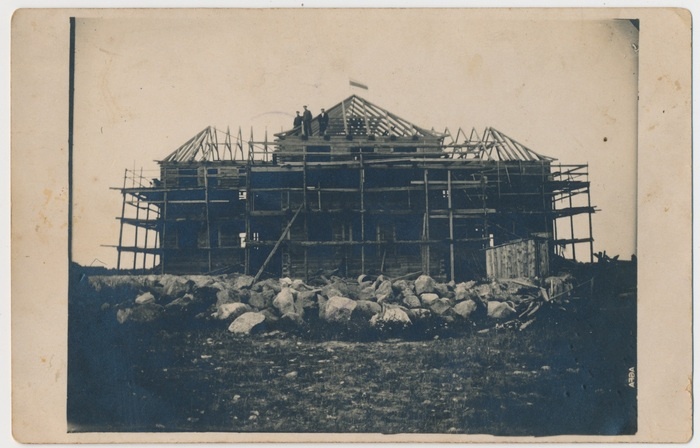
(373, 193)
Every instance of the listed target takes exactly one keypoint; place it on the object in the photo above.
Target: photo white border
(675, 322)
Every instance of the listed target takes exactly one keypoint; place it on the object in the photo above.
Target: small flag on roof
(358, 84)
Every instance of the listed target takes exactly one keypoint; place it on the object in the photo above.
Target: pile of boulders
(368, 302)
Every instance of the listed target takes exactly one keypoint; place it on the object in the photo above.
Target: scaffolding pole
(590, 223)
(571, 225)
(306, 223)
(136, 228)
(145, 242)
(121, 223)
(362, 214)
(426, 226)
(162, 238)
(206, 213)
(452, 234)
(248, 209)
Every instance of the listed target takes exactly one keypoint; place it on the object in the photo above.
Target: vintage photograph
(353, 222)
(351, 225)
(383, 221)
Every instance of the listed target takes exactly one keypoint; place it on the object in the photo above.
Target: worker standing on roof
(322, 122)
(297, 120)
(307, 122)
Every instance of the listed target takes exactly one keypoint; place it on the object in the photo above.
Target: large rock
(144, 298)
(440, 306)
(257, 300)
(231, 310)
(201, 281)
(500, 310)
(484, 292)
(174, 286)
(424, 284)
(243, 295)
(227, 295)
(463, 291)
(418, 314)
(402, 285)
(382, 278)
(392, 316)
(428, 299)
(243, 282)
(365, 309)
(284, 302)
(411, 300)
(465, 308)
(247, 323)
(340, 284)
(219, 285)
(384, 292)
(442, 290)
(331, 291)
(299, 285)
(367, 293)
(364, 285)
(270, 283)
(181, 303)
(339, 309)
(285, 282)
(306, 300)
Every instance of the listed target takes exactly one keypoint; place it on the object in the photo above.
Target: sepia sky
(566, 88)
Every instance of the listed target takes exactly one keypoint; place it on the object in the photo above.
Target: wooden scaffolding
(371, 193)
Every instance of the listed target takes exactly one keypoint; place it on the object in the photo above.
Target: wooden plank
(277, 245)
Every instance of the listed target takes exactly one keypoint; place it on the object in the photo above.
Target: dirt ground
(565, 374)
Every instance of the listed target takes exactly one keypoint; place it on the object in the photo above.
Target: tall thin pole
(71, 98)
(136, 227)
(345, 124)
(121, 224)
(427, 224)
(452, 234)
(145, 243)
(306, 222)
(206, 212)
(590, 220)
(165, 227)
(248, 209)
(571, 224)
(362, 214)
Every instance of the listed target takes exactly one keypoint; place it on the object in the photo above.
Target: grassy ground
(565, 374)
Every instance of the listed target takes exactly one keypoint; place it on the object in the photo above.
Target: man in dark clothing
(323, 122)
(297, 120)
(306, 117)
